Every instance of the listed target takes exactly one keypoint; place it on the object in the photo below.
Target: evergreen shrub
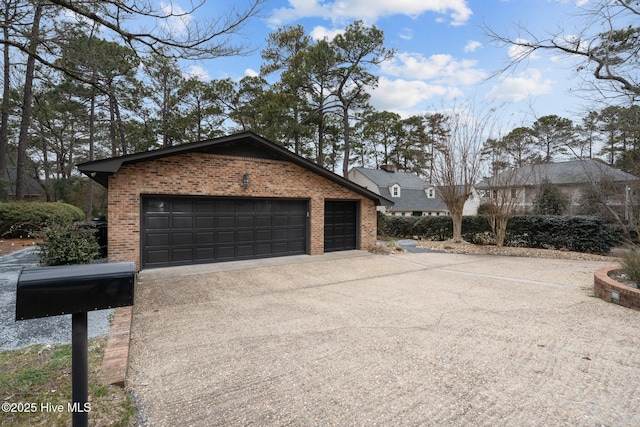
(25, 219)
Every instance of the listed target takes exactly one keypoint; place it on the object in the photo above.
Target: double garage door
(190, 230)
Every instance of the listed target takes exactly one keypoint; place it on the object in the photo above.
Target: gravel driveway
(359, 339)
(48, 330)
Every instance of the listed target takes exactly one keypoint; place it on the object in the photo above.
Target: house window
(431, 193)
(514, 193)
(395, 191)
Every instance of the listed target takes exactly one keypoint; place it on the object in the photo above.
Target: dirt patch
(8, 246)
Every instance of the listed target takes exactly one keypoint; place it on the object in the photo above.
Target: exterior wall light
(245, 180)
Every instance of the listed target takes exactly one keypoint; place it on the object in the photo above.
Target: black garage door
(340, 225)
(187, 230)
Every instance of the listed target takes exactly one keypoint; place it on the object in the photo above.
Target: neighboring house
(571, 177)
(412, 196)
(34, 191)
(230, 198)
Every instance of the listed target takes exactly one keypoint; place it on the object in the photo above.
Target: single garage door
(189, 230)
(340, 225)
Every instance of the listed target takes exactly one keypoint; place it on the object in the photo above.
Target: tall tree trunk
(112, 126)
(120, 125)
(25, 120)
(46, 169)
(347, 142)
(457, 226)
(92, 130)
(6, 74)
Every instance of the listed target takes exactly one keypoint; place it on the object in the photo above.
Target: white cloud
(472, 46)
(442, 68)
(176, 19)
(528, 84)
(399, 95)
(369, 10)
(197, 72)
(251, 72)
(321, 33)
(406, 34)
(519, 52)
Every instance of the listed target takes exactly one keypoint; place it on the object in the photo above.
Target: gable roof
(412, 190)
(560, 173)
(245, 144)
(383, 178)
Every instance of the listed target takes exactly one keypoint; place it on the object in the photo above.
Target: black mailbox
(52, 291)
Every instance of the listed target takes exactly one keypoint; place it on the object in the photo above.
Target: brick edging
(606, 288)
(116, 353)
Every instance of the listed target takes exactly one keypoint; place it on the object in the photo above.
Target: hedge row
(23, 219)
(574, 233)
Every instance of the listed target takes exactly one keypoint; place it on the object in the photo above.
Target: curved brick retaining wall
(612, 291)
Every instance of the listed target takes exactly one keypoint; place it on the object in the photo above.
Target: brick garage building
(230, 198)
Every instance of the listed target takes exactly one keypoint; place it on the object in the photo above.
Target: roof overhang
(248, 144)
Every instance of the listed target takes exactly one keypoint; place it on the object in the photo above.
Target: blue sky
(443, 56)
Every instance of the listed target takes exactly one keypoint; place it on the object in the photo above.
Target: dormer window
(395, 190)
(431, 193)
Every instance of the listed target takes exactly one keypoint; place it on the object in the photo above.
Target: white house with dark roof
(412, 195)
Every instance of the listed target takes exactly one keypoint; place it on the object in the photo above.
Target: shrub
(65, 244)
(29, 218)
(631, 265)
(574, 233)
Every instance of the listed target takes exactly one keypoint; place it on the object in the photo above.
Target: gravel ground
(49, 330)
(468, 248)
(408, 339)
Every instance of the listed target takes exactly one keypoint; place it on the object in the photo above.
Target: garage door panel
(158, 257)
(225, 236)
(182, 254)
(160, 239)
(263, 221)
(245, 250)
(205, 254)
(182, 206)
(225, 252)
(205, 221)
(245, 221)
(158, 222)
(245, 236)
(182, 238)
(280, 234)
(182, 222)
(264, 235)
(297, 233)
(205, 237)
(182, 230)
(263, 249)
(226, 222)
(280, 220)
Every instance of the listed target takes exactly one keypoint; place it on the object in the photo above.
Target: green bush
(29, 218)
(631, 265)
(574, 233)
(65, 244)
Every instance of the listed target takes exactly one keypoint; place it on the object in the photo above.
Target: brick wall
(203, 174)
(603, 285)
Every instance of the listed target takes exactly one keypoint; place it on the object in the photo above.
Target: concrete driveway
(360, 339)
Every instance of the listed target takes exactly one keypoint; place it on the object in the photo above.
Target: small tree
(549, 200)
(458, 160)
(505, 195)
